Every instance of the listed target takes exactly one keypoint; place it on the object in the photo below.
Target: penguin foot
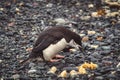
(59, 56)
(54, 60)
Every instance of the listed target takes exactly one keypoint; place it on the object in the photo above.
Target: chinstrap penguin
(53, 40)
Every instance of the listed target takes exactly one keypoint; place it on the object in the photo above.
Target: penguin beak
(76, 46)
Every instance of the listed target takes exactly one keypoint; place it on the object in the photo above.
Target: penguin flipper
(44, 43)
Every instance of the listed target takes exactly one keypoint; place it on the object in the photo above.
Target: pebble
(31, 65)
(118, 65)
(96, 55)
(94, 14)
(113, 14)
(1, 9)
(85, 39)
(68, 69)
(118, 71)
(94, 46)
(60, 21)
(34, 76)
(16, 76)
(99, 78)
(72, 50)
(107, 62)
(1, 61)
(90, 6)
(17, 9)
(91, 32)
(2, 51)
(32, 71)
(85, 17)
(82, 35)
(106, 47)
(49, 5)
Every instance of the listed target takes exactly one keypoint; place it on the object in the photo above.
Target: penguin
(53, 40)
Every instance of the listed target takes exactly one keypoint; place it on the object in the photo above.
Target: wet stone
(118, 71)
(111, 76)
(16, 76)
(101, 43)
(99, 78)
(106, 47)
(70, 68)
(96, 55)
(32, 71)
(92, 59)
(97, 74)
(60, 21)
(107, 62)
(105, 70)
(9, 34)
(2, 51)
(49, 5)
(31, 65)
(105, 52)
(28, 5)
(2, 32)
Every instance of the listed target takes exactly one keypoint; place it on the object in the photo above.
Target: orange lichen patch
(101, 12)
(82, 70)
(93, 66)
(52, 70)
(89, 65)
(85, 39)
(86, 65)
(63, 74)
(99, 38)
(29, 49)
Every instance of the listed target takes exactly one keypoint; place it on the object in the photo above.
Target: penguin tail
(25, 61)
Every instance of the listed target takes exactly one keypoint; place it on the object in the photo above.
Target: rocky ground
(97, 22)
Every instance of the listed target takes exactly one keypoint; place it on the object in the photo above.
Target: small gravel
(21, 21)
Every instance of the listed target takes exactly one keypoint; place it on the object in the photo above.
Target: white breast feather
(53, 49)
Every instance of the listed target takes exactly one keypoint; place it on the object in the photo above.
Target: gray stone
(99, 78)
(106, 47)
(16, 76)
(32, 71)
